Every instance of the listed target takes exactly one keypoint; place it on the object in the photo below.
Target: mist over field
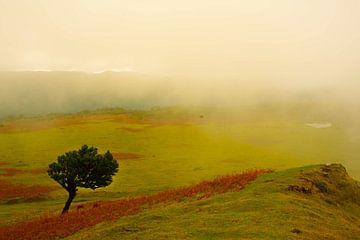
(32, 93)
(71, 56)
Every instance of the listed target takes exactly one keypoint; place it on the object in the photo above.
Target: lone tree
(83, 168)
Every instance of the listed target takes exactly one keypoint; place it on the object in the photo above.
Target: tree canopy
(83, 168)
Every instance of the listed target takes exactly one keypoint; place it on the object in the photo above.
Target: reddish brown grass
(9, 172)
(37, 124)
(10, 190)
(3, 163)
(54, 226)
(126, 156)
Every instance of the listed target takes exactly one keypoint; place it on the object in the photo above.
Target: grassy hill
(314, 202)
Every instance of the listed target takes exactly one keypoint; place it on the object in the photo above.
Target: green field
(177, 146)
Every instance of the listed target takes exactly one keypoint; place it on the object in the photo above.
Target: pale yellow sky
(291, 41)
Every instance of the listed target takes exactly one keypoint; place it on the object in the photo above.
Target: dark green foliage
(83, 168)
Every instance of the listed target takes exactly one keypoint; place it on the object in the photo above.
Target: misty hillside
(32, 93)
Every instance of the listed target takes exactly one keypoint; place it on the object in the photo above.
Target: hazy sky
(294, 41)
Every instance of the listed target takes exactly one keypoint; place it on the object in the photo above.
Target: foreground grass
(266, 209)
(55, 226)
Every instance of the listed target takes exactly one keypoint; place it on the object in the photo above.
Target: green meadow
(175, 147)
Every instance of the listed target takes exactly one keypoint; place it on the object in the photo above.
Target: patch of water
(320, 125)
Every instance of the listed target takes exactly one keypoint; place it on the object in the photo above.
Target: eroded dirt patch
(126, 156)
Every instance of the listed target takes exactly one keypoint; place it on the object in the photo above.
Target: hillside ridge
(312, 202)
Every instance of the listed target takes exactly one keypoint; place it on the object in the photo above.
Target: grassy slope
(177, 153)
(263, 210)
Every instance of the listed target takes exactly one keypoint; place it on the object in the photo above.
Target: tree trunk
(72, 195)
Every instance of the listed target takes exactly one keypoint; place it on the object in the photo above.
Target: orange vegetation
(10, 190)
(36, 124)
(55, 226)
(14, 171)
